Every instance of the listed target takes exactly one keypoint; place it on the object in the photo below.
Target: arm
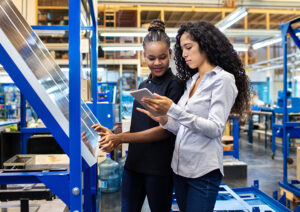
(111, 141)
(223, 97)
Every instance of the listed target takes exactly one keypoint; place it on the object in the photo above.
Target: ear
(170, 52)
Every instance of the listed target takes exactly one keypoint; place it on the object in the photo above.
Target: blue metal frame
(244, 199)
(286, 125)
(236, 138)
(67, 185)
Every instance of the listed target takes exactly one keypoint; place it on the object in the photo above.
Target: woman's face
(157, 56)
(191, 51)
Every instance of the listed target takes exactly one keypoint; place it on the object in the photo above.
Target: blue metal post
(273, 138)
(74, 107)
(250, 130)
(23, 124)
(94, 64)
(236, 137)
(285, 115)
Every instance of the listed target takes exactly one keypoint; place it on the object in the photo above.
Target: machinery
(46, 88)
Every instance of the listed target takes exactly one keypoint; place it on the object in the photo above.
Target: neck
(205, 67)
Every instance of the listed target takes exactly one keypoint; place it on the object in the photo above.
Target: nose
(184, 54)
(157, 62)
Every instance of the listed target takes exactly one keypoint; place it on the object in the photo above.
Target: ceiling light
(121, 47)
(232, 18)
(266, 42)
(240, 47)
(123, 34)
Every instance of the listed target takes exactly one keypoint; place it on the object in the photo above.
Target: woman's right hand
(102, 131)
(161, 119)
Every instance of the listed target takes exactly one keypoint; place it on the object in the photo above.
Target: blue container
(109, 180)
(122, 161)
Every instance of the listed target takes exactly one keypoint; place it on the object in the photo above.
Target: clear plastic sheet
(44, 69)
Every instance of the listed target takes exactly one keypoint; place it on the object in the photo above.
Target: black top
(153, 158)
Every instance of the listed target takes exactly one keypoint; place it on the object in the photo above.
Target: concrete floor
(260, 167)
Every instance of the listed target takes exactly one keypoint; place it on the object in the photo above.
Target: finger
(106, 148)
(102, 139)
(99, 128)
(103, 134)
(149, 100)
(143, 111)
(157, 96)
(95, 125)
(83, 134)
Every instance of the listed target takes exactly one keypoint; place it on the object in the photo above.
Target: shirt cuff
(171, 126)
(174, 111)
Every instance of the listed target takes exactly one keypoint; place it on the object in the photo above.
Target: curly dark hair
(219, 52)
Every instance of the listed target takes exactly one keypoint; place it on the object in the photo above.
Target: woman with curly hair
(216, 84)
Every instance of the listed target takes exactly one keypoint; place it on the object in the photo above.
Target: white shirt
(199, 123)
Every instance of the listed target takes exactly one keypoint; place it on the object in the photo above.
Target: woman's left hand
(109, 142)
(159, 104)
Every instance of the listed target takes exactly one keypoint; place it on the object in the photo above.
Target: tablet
(139, 94)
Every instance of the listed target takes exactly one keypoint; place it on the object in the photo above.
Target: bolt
(75, 191)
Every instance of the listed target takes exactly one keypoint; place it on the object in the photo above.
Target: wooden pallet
(289, 195)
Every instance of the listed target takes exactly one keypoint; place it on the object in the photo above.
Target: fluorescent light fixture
(123, 34)
(240, 47)
(122, 48)
(266, 42)
(49, 32)
(232, 18)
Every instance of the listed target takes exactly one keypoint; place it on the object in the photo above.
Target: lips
(187, 61)
(157, 69)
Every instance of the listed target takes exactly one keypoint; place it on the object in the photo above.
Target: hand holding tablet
(139, 94)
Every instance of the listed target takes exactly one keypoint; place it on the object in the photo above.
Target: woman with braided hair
(147, 170)
(215, 85)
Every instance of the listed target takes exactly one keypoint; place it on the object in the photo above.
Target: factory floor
(260, 167)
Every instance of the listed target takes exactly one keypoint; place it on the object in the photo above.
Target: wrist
(164, 120)
(121, 138)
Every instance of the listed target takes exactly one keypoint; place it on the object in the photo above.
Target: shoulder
(174, 81)
(143, 84)
(224, 77)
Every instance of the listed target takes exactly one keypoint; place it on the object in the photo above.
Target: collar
(215, 70)
(159, 80)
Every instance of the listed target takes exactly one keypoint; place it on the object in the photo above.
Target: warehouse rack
(288, 127)
(67, 185)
